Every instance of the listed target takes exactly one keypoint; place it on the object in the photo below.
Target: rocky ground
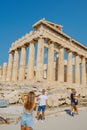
(58, 97)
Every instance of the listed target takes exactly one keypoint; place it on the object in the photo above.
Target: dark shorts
(74, 103)
(41, 108)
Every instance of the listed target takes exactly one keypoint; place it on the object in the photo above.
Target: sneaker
(72, 114)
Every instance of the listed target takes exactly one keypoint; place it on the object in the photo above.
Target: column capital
(68, 50)
(49, 41)
(33, 41)
(24, 46)
(11, 53)
(75, 53)
(83, 57)
(41, 37)
(60, 47)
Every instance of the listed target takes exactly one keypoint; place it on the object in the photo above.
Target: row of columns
(60, 69)
(14, 72)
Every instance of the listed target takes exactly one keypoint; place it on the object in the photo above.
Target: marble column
(15, 66)
(30, 72)
(40, 56)
(9, 68)
(0, 71)
(69, 67)
(4, 71)
(83, 71)
(61, 65)
(56, 71)
(50, 67)
(77, 69)
(22, 64)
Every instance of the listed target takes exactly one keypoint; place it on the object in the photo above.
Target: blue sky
(18, 16)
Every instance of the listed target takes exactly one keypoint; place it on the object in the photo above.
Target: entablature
(50, 31)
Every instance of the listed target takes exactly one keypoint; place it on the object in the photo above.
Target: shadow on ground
(68, 112)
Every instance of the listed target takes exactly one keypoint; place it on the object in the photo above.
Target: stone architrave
(9, 68)
(22, 64)
(61, 65)
(50, 67)
(83, 71)
(30, 71)
(4, 71)
(40, 55)
(77, 69)
(69, 67)
(15, 66)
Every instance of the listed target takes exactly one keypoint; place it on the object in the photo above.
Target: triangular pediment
(47, 23)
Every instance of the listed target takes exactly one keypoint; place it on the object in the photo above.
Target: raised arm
(23, 96)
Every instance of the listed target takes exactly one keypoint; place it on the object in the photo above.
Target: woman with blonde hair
(29, 106)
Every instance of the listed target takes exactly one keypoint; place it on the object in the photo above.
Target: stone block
(4, 103)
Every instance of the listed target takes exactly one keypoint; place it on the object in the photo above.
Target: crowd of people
(29, 106)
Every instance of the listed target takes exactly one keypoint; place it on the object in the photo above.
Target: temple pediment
(48, 24)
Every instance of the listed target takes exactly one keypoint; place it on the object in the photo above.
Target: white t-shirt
(43, 99)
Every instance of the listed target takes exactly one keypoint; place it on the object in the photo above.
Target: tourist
(42, 105)
(29, 106)
(74, 102)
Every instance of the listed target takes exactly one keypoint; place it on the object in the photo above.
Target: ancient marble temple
(40, 55)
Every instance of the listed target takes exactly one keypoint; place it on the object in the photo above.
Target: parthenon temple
(46, 53)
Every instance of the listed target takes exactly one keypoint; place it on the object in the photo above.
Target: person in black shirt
(74, 102)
